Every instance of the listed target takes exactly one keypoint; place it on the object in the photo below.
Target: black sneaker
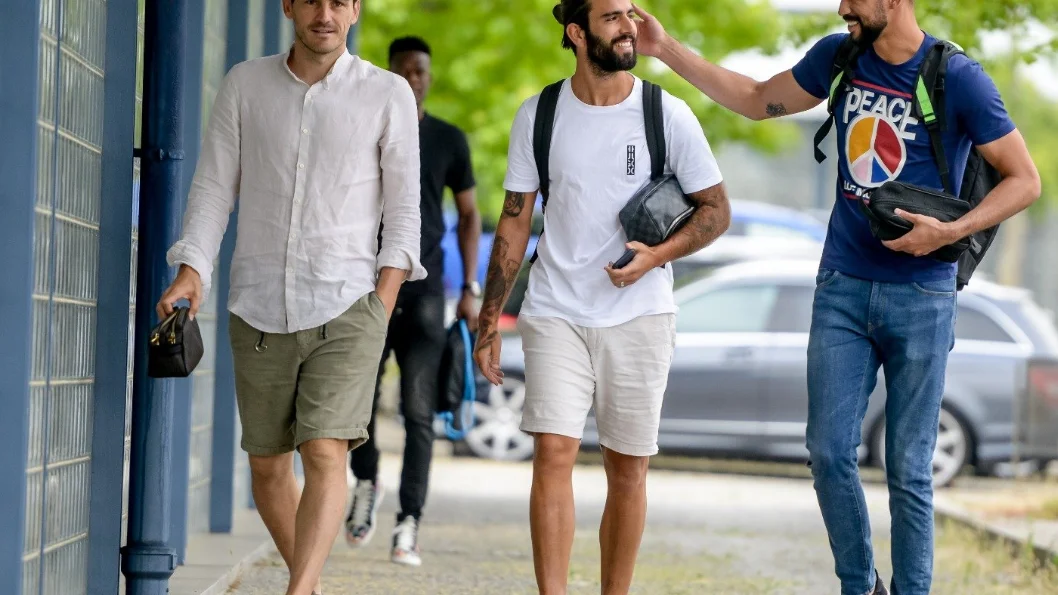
(360, 526)
(879, 586)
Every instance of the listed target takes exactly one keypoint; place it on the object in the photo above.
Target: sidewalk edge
(1017, 544)
(231, 578)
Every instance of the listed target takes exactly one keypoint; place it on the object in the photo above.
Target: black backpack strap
(654, 119)
(930, 103)
(543, 127)
(840, 77)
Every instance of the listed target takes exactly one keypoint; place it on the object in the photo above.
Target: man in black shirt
(416, 330)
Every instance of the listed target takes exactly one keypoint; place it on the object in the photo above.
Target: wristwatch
(473, 287)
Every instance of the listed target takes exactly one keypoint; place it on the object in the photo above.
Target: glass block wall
(213, 71)
(66, 248)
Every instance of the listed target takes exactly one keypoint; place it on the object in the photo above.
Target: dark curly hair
(408, 44)
(571, 11)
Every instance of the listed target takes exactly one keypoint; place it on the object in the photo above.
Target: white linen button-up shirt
(315, 169)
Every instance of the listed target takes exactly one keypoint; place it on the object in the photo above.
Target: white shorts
(622, 370)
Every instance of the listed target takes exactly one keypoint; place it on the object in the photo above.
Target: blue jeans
(908, 330)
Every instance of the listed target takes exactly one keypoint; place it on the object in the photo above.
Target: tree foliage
(490, 55)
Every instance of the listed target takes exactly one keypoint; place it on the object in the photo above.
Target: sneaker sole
(354, 542)
(405, 560)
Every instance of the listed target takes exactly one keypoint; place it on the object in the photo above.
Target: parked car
(738, 385)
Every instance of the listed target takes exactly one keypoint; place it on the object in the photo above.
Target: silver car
(738, 385)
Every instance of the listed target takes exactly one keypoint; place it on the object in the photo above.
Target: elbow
(755, 108)
(1035, 186)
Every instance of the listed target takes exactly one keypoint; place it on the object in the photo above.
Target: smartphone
(625, 259)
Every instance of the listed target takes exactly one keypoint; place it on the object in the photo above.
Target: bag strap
(930, 104)
(654, 120)
(841, 76)
(542, 130)
(543, 127)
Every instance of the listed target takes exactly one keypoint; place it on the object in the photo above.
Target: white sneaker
(360, 526)
(406, 543)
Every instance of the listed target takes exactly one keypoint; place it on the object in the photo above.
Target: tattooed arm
(711, 218)
(756, 100)
(508, 249)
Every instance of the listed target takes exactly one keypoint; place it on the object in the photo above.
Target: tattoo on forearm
(776, 109)
(708, 222)
(513, 204)
(499, 280)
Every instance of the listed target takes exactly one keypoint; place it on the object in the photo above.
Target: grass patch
(966, 562)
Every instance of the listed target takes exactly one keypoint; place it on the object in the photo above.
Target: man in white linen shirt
(321, 147)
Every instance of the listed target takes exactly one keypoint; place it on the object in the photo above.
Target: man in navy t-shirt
(879, 303)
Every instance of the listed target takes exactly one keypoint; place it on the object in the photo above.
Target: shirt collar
(341, 67)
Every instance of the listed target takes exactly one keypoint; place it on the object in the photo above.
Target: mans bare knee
(555, 455)
(625, 472)
(272, 469)
(324, 456)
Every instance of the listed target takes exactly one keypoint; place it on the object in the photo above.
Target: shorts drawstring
(323, 332)
(261, 347)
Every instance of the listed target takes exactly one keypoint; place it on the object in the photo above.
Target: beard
(605, 59)
(870, 29)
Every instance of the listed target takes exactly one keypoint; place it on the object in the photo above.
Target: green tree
(490, 55)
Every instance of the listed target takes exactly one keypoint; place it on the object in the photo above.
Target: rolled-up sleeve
(399, 149)
(213, 189)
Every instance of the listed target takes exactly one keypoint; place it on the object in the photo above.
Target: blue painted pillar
(222, 482)
(112, 309)
(273, 19)
(191, 124)
(149, 559)
(19, 97)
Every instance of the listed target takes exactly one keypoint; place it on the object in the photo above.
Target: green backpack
(980, 176)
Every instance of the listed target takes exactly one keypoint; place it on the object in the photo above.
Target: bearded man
(593, 333)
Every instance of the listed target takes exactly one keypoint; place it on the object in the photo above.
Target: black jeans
(417, 338)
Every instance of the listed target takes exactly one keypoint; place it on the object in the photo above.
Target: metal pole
(222, 472)
(149, 559)
(19, 104)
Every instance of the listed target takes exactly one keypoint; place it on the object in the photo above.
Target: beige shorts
(623, 371)
(311, 384)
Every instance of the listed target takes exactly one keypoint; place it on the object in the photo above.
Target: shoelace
(406, 534)
(363, 501)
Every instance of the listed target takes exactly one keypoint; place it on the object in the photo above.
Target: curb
(1016, 543)
(231, 578)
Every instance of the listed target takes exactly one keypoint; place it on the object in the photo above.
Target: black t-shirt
(444, 159)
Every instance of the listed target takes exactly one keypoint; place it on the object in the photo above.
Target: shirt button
(304, 131)
(301, 166)
(297, 201)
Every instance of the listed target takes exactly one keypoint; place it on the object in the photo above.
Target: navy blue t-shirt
(879, 139)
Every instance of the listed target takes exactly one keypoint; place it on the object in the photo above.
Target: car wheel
(495, 434)
(952, 451)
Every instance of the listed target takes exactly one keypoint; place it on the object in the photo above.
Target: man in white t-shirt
(593, 334)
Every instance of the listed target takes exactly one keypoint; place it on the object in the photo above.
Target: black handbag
(656, 211)
(886, 225)
(175, 346)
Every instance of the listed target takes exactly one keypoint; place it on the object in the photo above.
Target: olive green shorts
(310, 384)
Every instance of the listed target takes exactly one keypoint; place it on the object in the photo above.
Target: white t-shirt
(598, 160)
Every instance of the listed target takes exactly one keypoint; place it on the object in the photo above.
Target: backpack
(653, 120)
(980, 176)
(457, 382)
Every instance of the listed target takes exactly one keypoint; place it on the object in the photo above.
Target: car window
(793, 310)
(742, 309)
(974, 325)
